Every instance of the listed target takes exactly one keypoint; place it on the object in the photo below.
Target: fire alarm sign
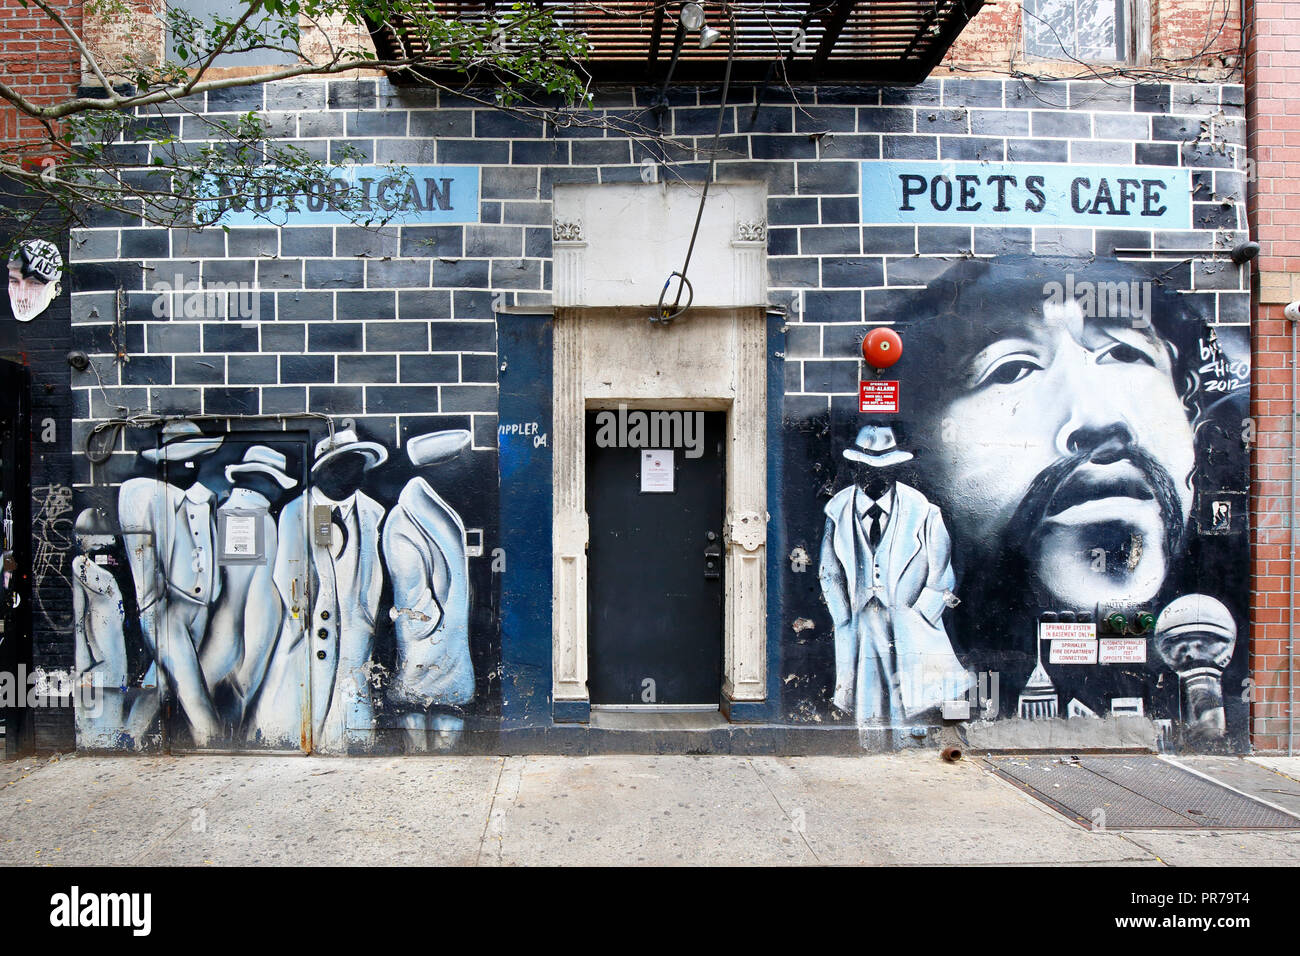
(878, 396)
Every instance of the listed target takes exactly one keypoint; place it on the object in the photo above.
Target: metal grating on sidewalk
(1136, 793)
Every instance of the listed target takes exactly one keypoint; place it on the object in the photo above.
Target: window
(1090, 30)
(208, 10)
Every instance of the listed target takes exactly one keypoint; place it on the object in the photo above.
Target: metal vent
(1137, 793)
(886, 41)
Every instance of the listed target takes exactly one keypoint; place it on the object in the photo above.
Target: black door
(654, 563)
(15, 548)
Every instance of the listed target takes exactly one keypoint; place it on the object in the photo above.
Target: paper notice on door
(657, 471)
(241, 536)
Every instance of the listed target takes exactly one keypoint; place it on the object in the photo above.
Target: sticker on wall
(1026, 194)
(397, 196)
(1123, 650)
(657, 471)
(1067, 630)
(1073, 652)
(878, 397)
(35, 270)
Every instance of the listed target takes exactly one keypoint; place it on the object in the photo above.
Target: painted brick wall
(390, 324)
(347, 318)
(1272, 69)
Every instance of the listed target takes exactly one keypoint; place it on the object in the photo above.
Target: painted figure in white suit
(886, 573)
(175, 570)
(424, 550)
(247, 618)
(334, 638)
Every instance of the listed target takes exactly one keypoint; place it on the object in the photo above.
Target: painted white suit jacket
(424, 551)
(915, 557)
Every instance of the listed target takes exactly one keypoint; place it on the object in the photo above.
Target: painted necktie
(876, 532)
(336, 514)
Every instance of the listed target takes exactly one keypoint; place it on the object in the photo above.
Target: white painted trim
(712, 363)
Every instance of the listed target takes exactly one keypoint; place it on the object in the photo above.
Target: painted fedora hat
(876, 445)
(182, 440)
(263, 460)
(346, 442)
(433, 447)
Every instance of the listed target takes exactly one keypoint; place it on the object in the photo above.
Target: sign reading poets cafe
(1026, 194)
(391, 195)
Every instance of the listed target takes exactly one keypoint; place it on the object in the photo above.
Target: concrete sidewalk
(903, 808)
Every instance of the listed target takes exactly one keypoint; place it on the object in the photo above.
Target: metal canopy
(633, 41)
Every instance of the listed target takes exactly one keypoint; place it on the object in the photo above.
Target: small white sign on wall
(657, 471)
(1073, 652)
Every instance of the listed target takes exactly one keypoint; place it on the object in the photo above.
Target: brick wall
(40, 61)
(1190, 37)
(1272, 69)
(395, 324)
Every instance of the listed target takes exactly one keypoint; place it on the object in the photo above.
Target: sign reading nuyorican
(389, 195)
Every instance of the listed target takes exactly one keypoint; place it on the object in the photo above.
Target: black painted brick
(460, 273)
(832, 307)
(228, 337)
(231, 401)
(827, 177)
(397, 336)
(337, 399)
(852, 272)
(365, 305)
(433, 241)
(335, 337)
(367, 368)
(910, 147)
(306, 369)
(402, 399)
(830, 240)
(833, 376)
(463, 336)
(430, 368)
(199, 369)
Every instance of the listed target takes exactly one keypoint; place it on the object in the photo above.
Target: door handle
(712, 558)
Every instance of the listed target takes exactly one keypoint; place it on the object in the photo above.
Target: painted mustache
(1063, 485)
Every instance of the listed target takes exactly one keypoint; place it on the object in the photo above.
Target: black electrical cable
(678, 309)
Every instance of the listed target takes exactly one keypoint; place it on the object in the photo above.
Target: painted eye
(1120, 352)
(1008, 372)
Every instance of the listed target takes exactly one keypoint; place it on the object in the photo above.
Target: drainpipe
(1292, 313)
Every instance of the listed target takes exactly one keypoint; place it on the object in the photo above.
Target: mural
(886, 574)
(1081, 458)
(241, 599)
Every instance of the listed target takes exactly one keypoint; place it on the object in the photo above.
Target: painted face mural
(1059, 503)
(273, 616)
(1056, 425)
(34, 278)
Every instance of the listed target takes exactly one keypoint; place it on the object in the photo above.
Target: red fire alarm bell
(882, 348)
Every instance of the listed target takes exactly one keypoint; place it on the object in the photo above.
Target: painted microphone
(1196, 635)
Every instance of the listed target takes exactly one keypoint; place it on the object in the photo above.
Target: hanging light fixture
(708, 36)
(691, 16)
